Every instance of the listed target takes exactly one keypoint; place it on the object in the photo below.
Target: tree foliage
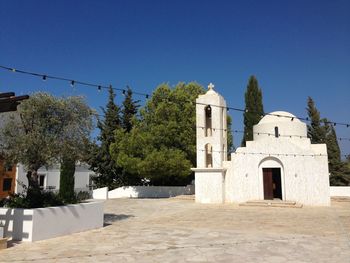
(44, 129)
(316, 132)
(99, 159)
(129, 111)
(162, 144)
(254, 109)
(67, 170)
(321, 131)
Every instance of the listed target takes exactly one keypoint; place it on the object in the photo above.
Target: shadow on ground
(110, 218)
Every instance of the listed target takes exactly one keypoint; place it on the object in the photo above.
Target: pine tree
(315, 131)
(254, 109)
(318, 133)
(128, 111)
(100, 161)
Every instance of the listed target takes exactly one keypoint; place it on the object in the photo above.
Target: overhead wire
(99, 87)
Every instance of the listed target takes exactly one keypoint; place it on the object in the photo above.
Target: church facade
(280, 162)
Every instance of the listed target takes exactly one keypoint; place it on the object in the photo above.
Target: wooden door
(268, 184)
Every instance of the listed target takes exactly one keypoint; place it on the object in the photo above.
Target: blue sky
(295, 48)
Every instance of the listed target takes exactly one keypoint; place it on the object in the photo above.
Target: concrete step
(184, 197)
(272, 203)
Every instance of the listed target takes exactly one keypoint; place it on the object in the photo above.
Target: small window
(8, 168)
(41, 180)
(276, 132)
(6, 185)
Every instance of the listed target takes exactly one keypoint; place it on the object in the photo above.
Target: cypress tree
(128, 111)
(67, 171)
(100, 161)
(318, 133)
(315, 131)
(254, 109)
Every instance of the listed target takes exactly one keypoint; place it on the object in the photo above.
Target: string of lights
(74, 82)
(277, 115)
(275, 154)
(271, 134)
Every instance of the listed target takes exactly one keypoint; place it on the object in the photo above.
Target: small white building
(280, 162)
(49, 178)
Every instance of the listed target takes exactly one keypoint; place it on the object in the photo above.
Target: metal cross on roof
(211, 86)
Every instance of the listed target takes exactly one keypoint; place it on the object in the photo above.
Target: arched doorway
(272, 179)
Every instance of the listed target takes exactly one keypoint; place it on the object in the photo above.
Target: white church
(280, 163)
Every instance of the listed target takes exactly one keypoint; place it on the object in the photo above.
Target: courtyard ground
(173, 230)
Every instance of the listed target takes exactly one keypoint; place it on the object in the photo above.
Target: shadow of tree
(110, 218)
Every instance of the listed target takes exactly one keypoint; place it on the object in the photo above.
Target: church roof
(279, 116)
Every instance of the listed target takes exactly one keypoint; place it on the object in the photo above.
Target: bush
(33, 199)
(82, 195)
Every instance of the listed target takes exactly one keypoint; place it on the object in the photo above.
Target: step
(272, 203)
(184, 197)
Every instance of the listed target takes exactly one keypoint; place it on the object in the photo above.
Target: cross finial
(210, 86)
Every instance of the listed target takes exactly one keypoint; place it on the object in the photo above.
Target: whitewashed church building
(280, 162)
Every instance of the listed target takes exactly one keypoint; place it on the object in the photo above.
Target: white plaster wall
(150, 191)
(100, 193)
(43, 223)
(305, 179)
(210, 185)
(18, 223)
(343, 191)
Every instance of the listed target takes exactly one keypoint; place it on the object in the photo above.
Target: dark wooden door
(268, 184)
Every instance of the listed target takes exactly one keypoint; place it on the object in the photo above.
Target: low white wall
(43, 223)
(150, 191)
(100, 193)
(340, 191)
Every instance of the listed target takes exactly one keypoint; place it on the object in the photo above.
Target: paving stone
(179, 230)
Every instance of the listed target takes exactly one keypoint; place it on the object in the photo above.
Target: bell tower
(211, 134)
(211, 122)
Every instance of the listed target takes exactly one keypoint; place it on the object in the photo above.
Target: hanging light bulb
(44, 78)
(99, 88)
(72, 83)
(147, 96)
(123, 91)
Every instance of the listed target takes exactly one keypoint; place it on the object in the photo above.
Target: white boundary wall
(340, 191)
(43, 223)
(100, 193)
(150, 191)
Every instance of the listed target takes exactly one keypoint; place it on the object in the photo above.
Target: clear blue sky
(295, 48)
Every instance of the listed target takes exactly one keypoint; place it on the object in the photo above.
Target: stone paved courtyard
(173, 230)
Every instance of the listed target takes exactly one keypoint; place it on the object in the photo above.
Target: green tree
(322, 131)
(129, 111)
(254, 109)
(316, 132)
(77, 121)
(230, 146)
(43, 130)
(162, 145)
(100, 161)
